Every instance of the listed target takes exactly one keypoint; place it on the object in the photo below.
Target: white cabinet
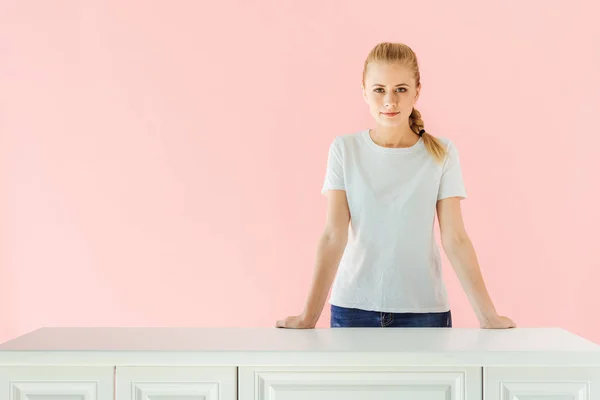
(360, 383)
(56, 383)
(176, 383)
(542, 383)
(304, 364)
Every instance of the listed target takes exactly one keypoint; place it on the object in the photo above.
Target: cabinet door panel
(360, 383)
(541, 383)
(56, 382)
(176, 383)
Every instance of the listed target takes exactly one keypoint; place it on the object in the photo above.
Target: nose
(389, 101)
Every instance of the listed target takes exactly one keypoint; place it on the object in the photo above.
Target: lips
(391, 114)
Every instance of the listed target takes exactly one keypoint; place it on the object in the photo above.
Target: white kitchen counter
(239, 346)
(255, 363)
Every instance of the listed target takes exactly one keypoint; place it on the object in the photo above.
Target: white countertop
(320, 346)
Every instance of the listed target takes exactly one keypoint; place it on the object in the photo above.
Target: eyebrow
(400, 84)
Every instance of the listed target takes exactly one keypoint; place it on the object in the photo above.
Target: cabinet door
(360, 383)
(52, 383)
(541, 383)
(176, 383)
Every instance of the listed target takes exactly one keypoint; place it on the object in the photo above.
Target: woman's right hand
(296, 322)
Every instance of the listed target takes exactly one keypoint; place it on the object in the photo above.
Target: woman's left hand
(497, 322)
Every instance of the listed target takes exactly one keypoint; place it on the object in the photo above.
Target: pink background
(161, 162)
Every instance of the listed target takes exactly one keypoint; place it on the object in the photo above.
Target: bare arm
(329, 253)
(459, 249)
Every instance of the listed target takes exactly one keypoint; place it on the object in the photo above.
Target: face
(390, 88)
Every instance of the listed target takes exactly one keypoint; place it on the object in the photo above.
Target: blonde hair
(399, 52)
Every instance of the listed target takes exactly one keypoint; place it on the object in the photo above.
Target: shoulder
(446, 142)
(348, 140)
(449, 146)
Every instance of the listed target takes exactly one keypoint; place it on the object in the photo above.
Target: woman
(384, 186)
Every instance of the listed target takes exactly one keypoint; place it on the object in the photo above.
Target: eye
(403, 90)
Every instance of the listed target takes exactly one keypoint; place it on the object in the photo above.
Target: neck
(394, 136)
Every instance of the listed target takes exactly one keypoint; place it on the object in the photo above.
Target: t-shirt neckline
(392, 150)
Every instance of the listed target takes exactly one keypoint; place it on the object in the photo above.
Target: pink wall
(162, 161)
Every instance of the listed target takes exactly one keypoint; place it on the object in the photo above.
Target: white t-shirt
(391, 262)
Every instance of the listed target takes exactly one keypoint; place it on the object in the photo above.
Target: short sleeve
(451, 183)
(334, 175)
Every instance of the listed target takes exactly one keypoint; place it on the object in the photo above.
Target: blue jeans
(342, 317)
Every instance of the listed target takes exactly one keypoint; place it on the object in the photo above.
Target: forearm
(329, 254)
(464, 261)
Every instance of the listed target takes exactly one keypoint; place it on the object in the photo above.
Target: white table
(269, 363)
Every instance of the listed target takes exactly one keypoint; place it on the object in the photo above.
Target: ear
(418, 90)
(364, 95)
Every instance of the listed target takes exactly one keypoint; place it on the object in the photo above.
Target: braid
(433, 145)
(415, 121)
